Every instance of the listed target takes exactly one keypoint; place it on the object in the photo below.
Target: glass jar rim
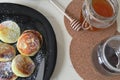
(103, 54)
(92, 11)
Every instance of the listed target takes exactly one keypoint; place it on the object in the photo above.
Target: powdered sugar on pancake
(6, 71)
(9, 31)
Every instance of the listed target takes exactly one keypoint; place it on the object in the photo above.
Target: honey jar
(99, 14)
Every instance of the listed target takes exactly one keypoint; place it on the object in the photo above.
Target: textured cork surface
(83, 45)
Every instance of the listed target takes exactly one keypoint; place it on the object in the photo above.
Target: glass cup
(108, 55)
(100, 13)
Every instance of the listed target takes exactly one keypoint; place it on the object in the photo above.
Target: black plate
(28, 18)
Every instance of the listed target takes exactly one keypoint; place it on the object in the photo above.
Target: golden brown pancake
(7, 52)
(6, 71)
(9, 31)
(22, 66)
(29, 42)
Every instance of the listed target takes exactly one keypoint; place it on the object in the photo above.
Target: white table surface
(64, 69)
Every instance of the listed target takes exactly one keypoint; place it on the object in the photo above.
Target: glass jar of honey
(100, 13)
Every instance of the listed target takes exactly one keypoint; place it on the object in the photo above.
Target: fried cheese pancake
(29, 42)
(6, 72)
(9, 31)
(22, 66)
(7, 52)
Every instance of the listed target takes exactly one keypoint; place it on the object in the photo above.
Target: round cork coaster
(83, 46)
